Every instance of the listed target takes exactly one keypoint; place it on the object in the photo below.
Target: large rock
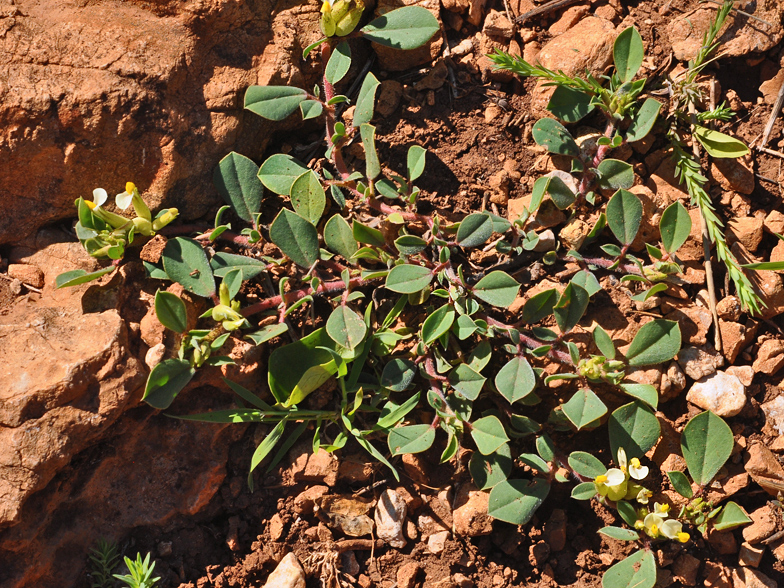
(67, 377)
(740, 36)
(588, 45)
(80, 458)
(95, 94)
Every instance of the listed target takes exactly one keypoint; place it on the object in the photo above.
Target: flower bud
(164, 219)
(340, 17)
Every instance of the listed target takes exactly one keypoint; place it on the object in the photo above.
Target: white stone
(721, 393)
(437, 542)
(288, 574)
(390, 518)
(774, 413)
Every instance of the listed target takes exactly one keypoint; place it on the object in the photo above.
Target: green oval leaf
(628, 53)
(339, 238)
(571, 307)
(570, 105)
(267, 332)
(656, 342)
(165, 381)
(185, 262)
(474, 230)
(680, 483)
(236, 178)
(644, 392)
(279, 171)
(624, 214)
(467, 380)
(310, 109)
(489, 470)
(560, 193)
(620, 533)
(675, 226)
(615, 174)
(636, 571)
(366, 100)
(643, 121)
(273, 102)
(222, 263)
(516, 501)
(584, 491)
(80, 276)
(296, 237)
(346, 327)
(706, 444)
(398, 374)
(516, 379)
(586, 465)
(415, 161)
(539, 306)
(404, 28)
(372, 165)
(297, 369)
(720, 145)
(410, 244)
(634, 427)
(552, 135)
(604, 342)
(170, 310)
(339, 63)
(489, 434)
(308, 197)
(410, 439)
(584, 408)
(731, 517)
(497, 288)
(408, 279)
(438, 323)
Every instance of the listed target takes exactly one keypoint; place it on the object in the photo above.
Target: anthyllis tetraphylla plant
(706, 444)
(411, 322)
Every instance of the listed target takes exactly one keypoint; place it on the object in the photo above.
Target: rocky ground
(155, 97)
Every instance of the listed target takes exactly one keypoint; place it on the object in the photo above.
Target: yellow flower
(340, 17)
(611, 484)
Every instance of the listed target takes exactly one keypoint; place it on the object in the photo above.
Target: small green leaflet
(516, 379)
(497, 288)
(408, 279)
(346, 327)
(410, 439)
(720, 145)
(488, 434)
(296, 237)
(170, 310)
(273, 102)
(516, 501)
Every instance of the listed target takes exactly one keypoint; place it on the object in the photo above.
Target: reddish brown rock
(27, 274)
(470, 516)
(764, 468)
(770, 357)
(154, 97)
(747, 230)
(737, 38)
(588, 45)
(685, 568)
(764, 521)
(774, 222)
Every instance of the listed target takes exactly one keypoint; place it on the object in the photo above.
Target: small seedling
(104, 558)
(140, 572)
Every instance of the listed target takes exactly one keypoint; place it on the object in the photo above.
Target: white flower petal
(100, 196)
(642, 496)
(653, 519)
(638, 473)
(615, 477)
(670, 528)
(123, 200)
(621, 458)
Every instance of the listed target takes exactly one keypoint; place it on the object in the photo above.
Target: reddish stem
(324, 288)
